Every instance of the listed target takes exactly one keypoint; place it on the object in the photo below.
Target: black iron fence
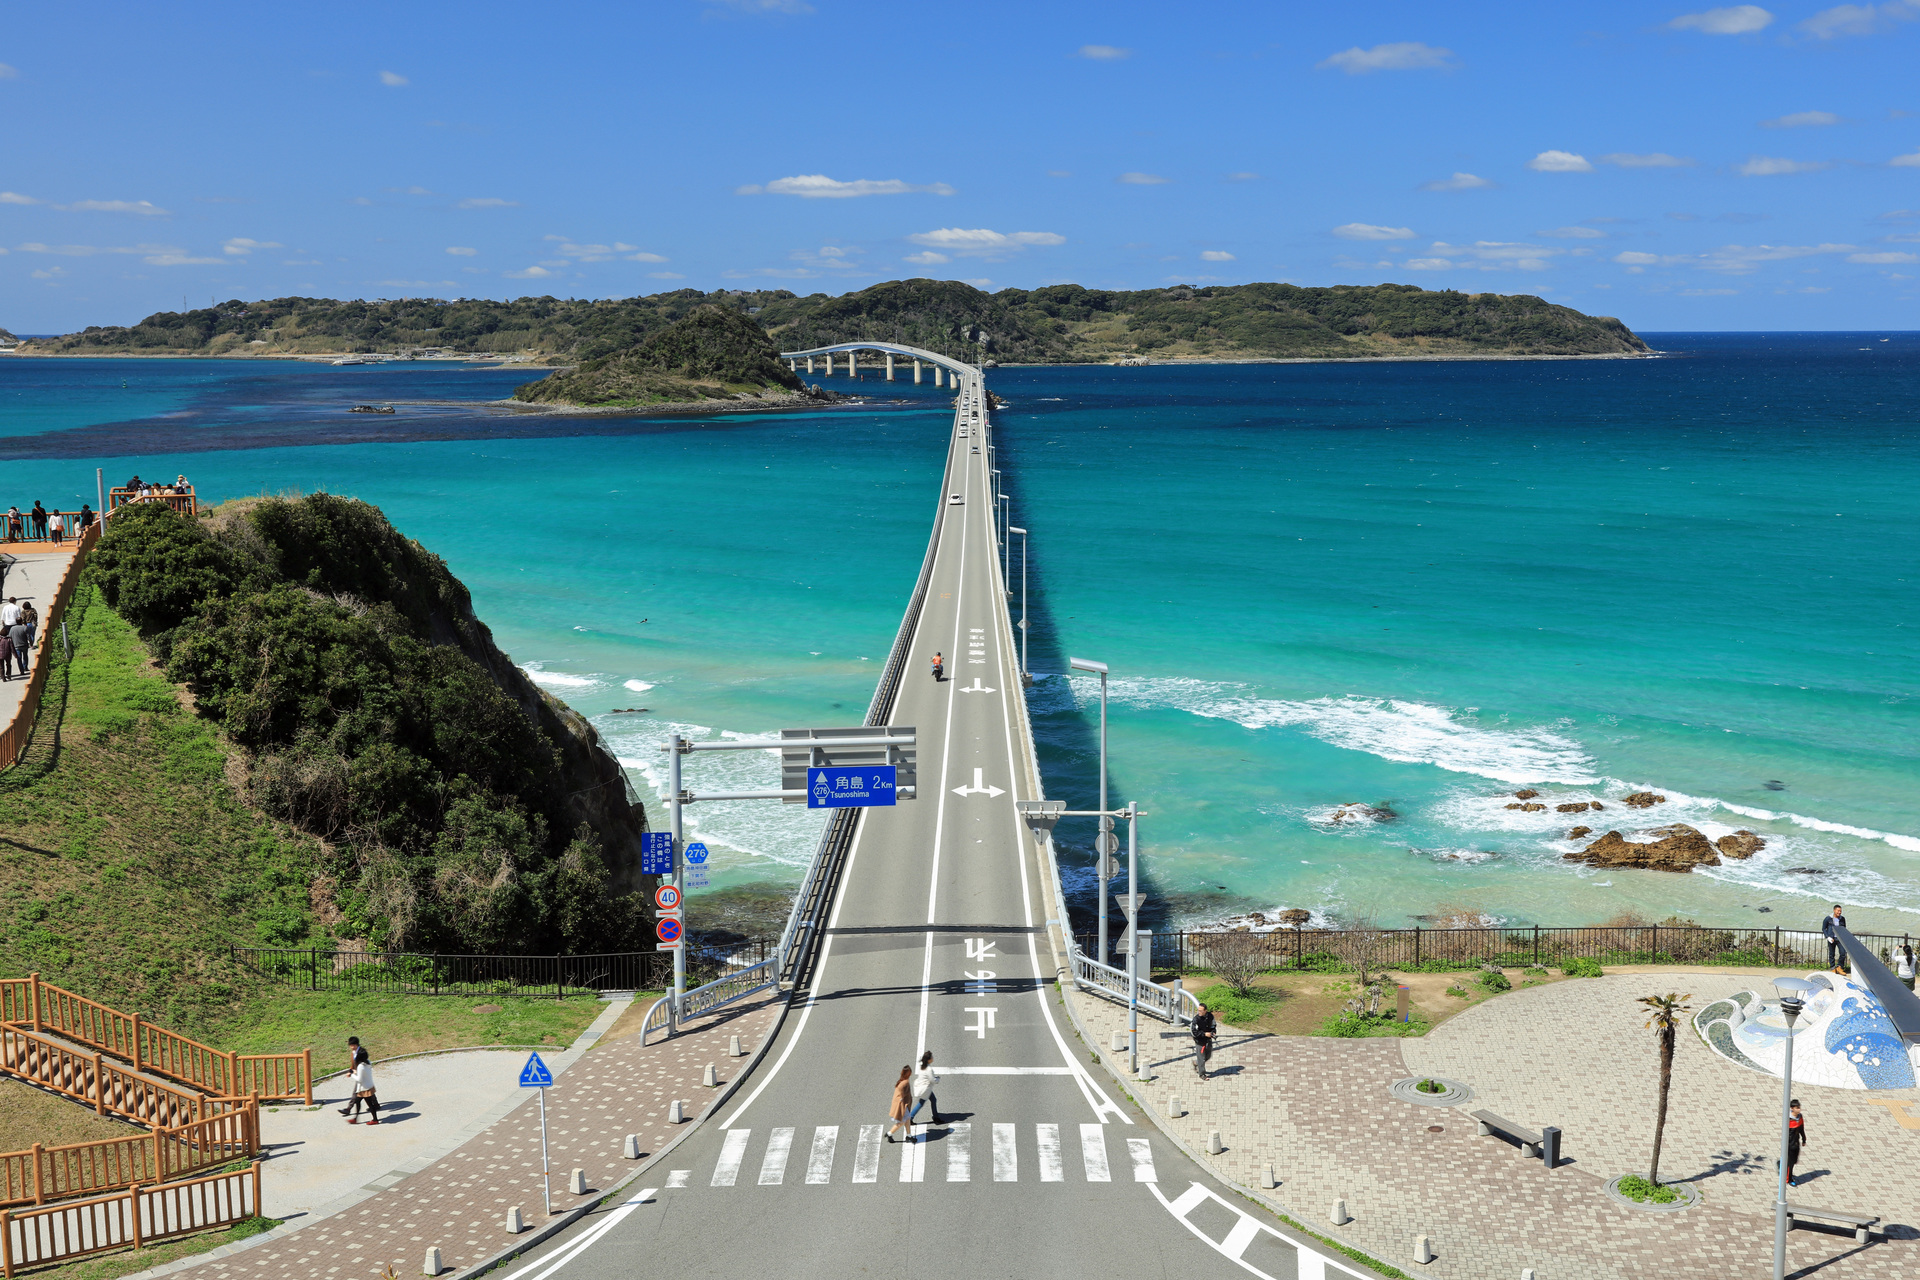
(429, 973)
(1333, 950)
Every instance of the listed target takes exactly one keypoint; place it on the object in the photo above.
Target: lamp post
(1006, 541)
(1100, 842)
(1026, 676)
(1133, 939)
(1790, 1007)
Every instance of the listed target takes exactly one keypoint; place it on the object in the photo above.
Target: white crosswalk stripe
(956, 1139)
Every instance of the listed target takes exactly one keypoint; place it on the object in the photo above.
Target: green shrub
(1457, 990)
(1582, 967)
(1236, 1009)
(1635, 1187)
(1352, 1025)
(1494, 980)
(1535, 971)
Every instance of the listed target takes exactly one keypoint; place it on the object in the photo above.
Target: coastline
(541, 362)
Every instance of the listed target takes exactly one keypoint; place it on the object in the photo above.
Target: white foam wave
(537, 673)
(1894, 838)
(638, 686)
(782, 834)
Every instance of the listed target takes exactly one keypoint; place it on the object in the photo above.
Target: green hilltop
(714, 354)
(1057, 324)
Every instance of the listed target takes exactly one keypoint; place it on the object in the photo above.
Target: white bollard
(1213, 1143)
(1526, 1273)
(1267, 1181)
(577, 1183)
(1423, 1249)
(631, 1151)
(432, 1264)
(1175, 1107)
(733, 1047)
(709, 1079)
(674, 1114)
(1339, 1215)
(515, 1223)
(1119, 1042)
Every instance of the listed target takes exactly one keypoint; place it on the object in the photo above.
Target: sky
(1682, 168)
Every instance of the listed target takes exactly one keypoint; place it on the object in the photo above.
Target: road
(1039, 1165)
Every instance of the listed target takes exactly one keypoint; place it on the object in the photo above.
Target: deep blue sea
(1418, 585)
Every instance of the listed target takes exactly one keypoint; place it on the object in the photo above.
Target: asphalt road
(1039, 1166)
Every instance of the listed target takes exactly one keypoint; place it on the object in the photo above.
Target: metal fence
(433, 973)
(1511, 947)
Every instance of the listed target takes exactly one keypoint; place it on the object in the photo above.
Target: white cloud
(778, 273)
(48, 273)
(1635, 258)
(978, 282)
(818, 186)
(1859, 19)
(1104, 52)
(14, 197)
(1458, 182)
(1404, 55)
(1909, 161)
(1559, 162)
(1216, 255)
(146, 208)
(665, 275)
(1743, 258)
(240, 246)
(461, 251)
(1651, 160)
(1427, 264)
(1573, 233)
(927, 258)
(531, 273)
(487, 202)
(7, 72)
(981, 242)
(88, 250)
(1769, 166)
(1801, 120)
(600, 252)
(646, 257)
(1737, 20)
(180, 260)
(1883, 259)
(391, 79)
(1142, 180)
(1243, 176)
(1493, 255)
(1367, 231)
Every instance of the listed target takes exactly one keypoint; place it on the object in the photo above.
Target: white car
(955, 500)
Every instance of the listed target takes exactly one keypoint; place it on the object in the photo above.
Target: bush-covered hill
(1059, 323)
(459, 808)
(714, 354)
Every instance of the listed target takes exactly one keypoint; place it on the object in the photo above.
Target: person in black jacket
(1835, 951)
(1204, 1029)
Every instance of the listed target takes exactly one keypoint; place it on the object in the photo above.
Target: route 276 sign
(851, 786)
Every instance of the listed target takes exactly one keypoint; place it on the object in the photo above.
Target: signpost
(696, 855)
(536, 1076)
(656, 853)
(858, 787)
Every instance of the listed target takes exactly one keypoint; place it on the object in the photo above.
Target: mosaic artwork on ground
(1843, 1039)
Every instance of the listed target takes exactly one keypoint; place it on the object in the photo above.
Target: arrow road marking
(976, 687)
(979, 788)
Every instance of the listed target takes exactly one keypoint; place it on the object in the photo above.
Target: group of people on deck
(18, 624)
(42, 525)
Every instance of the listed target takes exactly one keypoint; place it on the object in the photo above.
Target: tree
(1237, 958)
(1362, 945)
(1664, 1023)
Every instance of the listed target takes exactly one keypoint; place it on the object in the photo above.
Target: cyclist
(939, 668)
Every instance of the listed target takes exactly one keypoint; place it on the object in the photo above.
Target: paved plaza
(1573, 1054)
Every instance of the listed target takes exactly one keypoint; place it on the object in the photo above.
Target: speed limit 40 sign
(667, 898)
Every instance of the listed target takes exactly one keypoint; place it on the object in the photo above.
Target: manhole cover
(1451, 1092)
(1436, 1128)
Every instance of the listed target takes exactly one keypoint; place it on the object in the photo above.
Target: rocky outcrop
(1528, 807)
(1679, 848)
(1577, 832)
(1642, 800)
(1354, 811)
(1741, 844)
(1526, 793)
(1578, 807)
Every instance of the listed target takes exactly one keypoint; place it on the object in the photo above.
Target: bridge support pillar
(852, 365)
(916, 373)
(938, 370)
(889, 366)
(809, 364)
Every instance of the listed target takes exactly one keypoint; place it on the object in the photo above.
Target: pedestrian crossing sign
(535, 1074)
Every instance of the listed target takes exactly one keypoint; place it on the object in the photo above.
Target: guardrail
(705, 999)
(1169, 1004)
(135, 1218)
(41, 1173)
(13, 737)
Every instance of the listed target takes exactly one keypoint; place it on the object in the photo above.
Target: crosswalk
(1043, 1151)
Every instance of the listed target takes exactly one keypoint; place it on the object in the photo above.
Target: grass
(1634, 1187)
(29, 1115)
(390, 1025)
(1293, 1002)
(113, 1265)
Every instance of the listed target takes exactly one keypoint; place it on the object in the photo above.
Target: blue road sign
(656, 853)
(535, 1074)
(695, 854)
(850, 787)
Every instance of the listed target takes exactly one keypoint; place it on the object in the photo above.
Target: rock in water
(1642, 800)
(1741, 844)
(1527, 793)
(1579, 807)
(1529, 807)
(1577, 832)
(1680, 848)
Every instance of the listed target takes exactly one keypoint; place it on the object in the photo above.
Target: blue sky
(1740, 167)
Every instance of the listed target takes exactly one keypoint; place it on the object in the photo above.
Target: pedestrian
(39, 514)
(9, 612)
(360, 1079)
(1204, 1030)
(15, 533)
(6, 658)
(20, 636)
(1835, 952)
(1796, 1139)
(1903, 964)
(902, 1091)
(58, 528)
(939, 668)
(922, 1089)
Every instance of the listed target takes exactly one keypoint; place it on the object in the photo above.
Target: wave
(638, 686)
(537, 673)
(782, 834)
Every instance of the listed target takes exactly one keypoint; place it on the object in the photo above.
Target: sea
(1349, 608)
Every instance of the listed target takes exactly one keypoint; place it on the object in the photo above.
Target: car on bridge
(955, 500)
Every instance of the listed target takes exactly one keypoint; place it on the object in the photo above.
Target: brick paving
(460, 1202)
(1319, 1111)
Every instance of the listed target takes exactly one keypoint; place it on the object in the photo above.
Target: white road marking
(959, 1152)
(1093, 1153)
(1006, 1071)
(732, 1152)
(940, 811)
(1047, 1137)
(1141, 1153)
(820, 1159)
(866, 1156)
(979, 982)
(1308, 1264)
(913, 1154)
(1006, 1160)
(976, 687)
(979, 787)
(548, 1265)
(983, 1023)
(678, 1177)
(773, 1166)
(981, 949)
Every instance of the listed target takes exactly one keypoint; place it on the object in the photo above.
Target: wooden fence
(40, 1174)
(31, 1004)
(183, 502)
(13, 738)
(134, 1218)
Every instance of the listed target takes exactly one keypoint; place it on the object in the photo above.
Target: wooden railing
(13, 737)
(182, 502)
(104, 1085)
(41, 1174)
(134, 1218)
(41, 1007)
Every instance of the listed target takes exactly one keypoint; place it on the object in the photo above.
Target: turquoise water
(1422, 585)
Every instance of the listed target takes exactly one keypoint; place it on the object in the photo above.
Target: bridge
(957, 372)
(936, 924)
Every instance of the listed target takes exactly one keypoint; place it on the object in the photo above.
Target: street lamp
(1026, 676)
(1101, 852)
(1006, 543)
(1790, 1006)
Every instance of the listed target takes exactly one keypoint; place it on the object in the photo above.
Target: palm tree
(1664, 1022)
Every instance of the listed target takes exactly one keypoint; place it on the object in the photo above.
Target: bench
(1860, 1222)
(1546, 1144)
